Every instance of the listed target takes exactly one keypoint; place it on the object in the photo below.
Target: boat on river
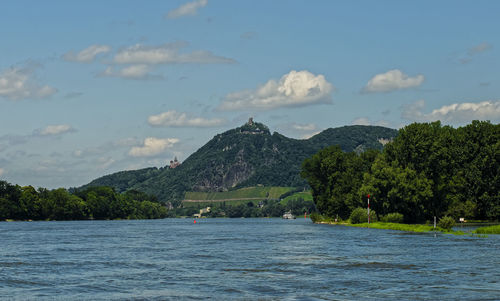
(288, 215)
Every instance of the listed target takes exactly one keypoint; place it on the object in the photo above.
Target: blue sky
(88, 88)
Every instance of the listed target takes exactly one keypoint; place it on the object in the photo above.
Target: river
(241, 259)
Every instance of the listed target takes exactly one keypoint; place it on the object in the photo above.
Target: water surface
(242, 259)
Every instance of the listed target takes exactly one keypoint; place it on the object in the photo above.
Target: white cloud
(177, 119)
(361, 121)
(473, 51)
(2, 171)
(457, 113)
(152, 146)
(298, 130)
(166, 54)
(140, 71)
(304, 127)
(78, 153)
(367, 121)
(188, 9)
(479, 48)
(105, 162)
(18, 83)
(52, 130)
(309, 135)
(392, 80)
(296, 88)
(87, 55)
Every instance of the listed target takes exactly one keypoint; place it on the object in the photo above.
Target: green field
(214, 204)
(306, 196)
(240, 194)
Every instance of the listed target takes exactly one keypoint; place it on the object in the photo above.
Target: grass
(488, 230)
(396, 226)
(306, 196)
(387, 226)
(243, 193)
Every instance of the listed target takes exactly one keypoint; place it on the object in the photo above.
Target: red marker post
(368, 209)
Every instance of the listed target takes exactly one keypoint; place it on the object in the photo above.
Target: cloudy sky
(88, 88)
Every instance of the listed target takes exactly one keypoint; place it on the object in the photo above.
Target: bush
(359, 215)
(393, 218)
(446, 222)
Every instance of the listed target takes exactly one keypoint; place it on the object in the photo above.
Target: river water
(241, 259)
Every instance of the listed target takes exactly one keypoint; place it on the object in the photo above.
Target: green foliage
(427, 170)
(446, 222)
(26, 203)
(360, 215)
(335, 178)
(488, 230)
(393, 218)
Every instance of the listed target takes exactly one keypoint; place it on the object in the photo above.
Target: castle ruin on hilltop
(175, 163)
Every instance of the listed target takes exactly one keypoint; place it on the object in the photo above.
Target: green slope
(242, 157)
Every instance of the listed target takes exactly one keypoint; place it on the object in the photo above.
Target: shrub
(393, 218)
(359, 215)
(446, 222)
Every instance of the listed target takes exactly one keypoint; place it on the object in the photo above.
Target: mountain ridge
(248, 155)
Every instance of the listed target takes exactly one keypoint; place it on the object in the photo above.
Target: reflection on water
(241, 259)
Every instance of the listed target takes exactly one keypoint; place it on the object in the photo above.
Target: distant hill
(245, 156)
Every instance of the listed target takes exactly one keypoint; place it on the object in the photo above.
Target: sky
(89, 88)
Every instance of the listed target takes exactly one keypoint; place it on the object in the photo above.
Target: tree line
(265, 208)
(28, 203)
(427, 170)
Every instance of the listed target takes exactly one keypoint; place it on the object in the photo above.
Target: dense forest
(427, 170)
(27, 203)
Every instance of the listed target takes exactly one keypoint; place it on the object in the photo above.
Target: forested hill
(245, 156)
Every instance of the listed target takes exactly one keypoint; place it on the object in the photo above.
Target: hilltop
(245, 156)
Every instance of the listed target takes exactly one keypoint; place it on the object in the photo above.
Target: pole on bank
(368, 209)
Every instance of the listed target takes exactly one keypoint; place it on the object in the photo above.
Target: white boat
(288, 215)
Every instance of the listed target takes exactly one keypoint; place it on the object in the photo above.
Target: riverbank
(388, 226)
(488, 230)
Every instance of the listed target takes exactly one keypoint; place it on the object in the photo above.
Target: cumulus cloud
(296, 88)
(87, 55)
(152, 146)
(457, 113)
(178, 119)
(166, 54)
(52, 130)
(18, 83)
(2, 171)
(392, 80)
(187, 9)
(140, 71)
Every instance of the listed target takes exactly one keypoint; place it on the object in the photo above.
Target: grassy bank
(388, 226)
(405, 227)
(488, 230)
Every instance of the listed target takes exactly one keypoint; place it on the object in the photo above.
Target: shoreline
(417, 228)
